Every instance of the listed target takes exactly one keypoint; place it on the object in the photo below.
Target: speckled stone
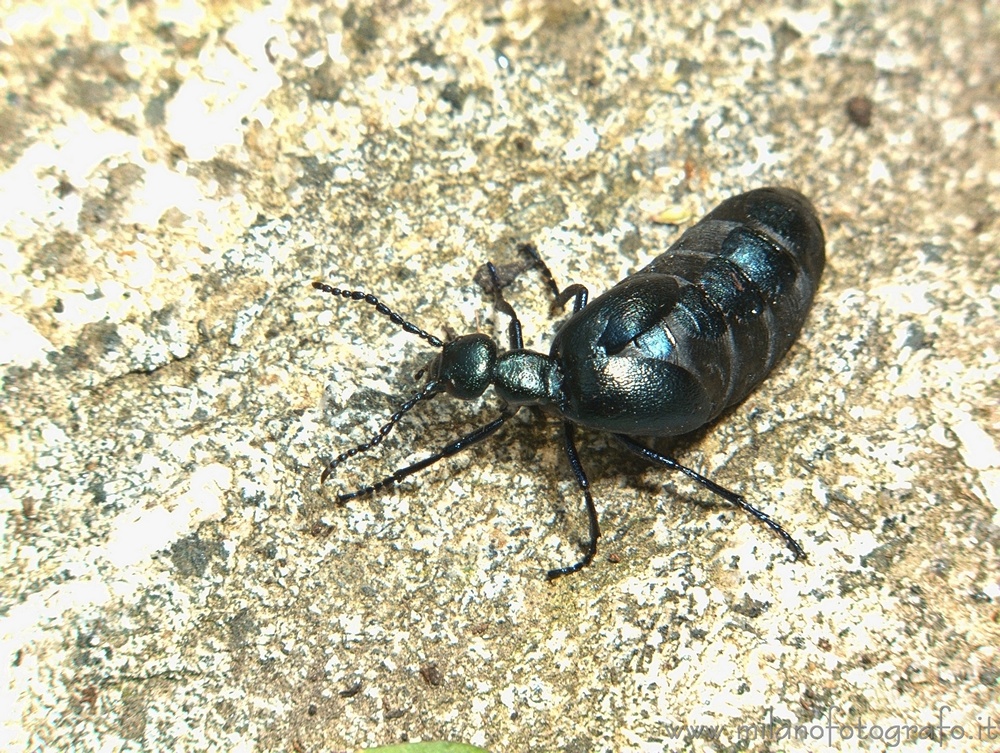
(173, 175)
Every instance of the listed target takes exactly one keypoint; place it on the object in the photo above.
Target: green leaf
(428, 747)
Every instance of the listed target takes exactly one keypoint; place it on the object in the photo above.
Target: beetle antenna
(429, 391)
(360, 295)
(452, 448)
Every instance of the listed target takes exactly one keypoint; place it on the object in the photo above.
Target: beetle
(664, 352)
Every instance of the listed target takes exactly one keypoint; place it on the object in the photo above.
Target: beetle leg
(453, 448)
(530, 250)
(575, 291)
(732, 497)
(514, 329)
(429, 391)
(595, 530)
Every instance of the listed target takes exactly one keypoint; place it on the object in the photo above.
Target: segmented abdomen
(746, 277)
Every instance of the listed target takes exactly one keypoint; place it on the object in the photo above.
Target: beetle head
(464, 368)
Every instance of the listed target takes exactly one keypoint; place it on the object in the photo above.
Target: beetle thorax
(524, 377)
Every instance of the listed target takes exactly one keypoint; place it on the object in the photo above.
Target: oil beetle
(664, 352)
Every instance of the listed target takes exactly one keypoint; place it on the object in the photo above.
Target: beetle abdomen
(761, 256)
(671, 347)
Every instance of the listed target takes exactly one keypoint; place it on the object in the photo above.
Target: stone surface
(173, 177)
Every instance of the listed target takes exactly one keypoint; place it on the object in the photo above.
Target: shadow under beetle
(662, 353)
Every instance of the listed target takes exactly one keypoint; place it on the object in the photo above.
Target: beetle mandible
(664, 352)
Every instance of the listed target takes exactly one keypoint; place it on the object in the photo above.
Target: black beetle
(662, 353)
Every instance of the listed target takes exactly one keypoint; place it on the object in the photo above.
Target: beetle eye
(433, 370)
